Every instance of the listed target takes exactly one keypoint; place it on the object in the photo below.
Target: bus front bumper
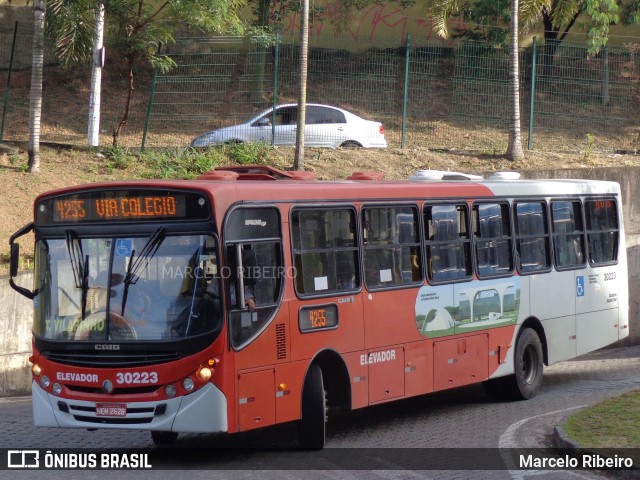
(202, 411)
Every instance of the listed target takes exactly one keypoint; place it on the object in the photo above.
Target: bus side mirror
(15, 260)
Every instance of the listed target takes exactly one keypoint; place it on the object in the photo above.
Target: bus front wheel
(528, 366)
(312, 426)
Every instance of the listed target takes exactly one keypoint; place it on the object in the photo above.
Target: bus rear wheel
(528, 366)
(163, 438)
(312, 426)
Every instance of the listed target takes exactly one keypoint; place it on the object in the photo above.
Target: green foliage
(488, 21)
(249, 153)
(71, 24)
(118, 158)
(630, 12)
(189, 164)
(137, 27)
(558, 15)
(590, 147)
(272, 12)
(612, 423)
(601, 14)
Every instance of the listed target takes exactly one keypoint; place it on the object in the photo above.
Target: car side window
(314, 115)
(287, 116)
(329, 115)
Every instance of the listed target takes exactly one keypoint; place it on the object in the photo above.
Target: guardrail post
(405, 95)
(276, 72)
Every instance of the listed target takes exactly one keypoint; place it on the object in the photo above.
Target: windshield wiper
(136, 264)
(74, 248)
(79, 266)
(85, 285)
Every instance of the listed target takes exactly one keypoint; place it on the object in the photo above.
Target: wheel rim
(529, 364)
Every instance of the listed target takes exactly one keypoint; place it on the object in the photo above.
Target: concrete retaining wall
(16, 311)
(16, 315)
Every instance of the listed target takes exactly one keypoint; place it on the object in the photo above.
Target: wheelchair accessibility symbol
(580, 286)
(123, 247)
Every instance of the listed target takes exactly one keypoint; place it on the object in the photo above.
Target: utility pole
(93, 135)
(298, 162)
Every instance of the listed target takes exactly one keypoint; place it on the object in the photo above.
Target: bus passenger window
(449, 243)
(532, 237)
(602, 231)
(492, 231)
(568, 234)
(391, 246)
(325, 250)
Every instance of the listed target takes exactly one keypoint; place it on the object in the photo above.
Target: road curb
(561, 440)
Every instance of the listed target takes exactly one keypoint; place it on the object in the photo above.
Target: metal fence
(427, 94)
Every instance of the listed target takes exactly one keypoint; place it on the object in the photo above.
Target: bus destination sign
(121, 206)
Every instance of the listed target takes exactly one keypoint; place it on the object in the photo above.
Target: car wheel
(350, 144)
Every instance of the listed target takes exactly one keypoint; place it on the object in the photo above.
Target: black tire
(312, 427)
(351, 144)
(163, 438)
(528, 364)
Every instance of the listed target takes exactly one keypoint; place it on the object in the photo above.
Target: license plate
(111, 410)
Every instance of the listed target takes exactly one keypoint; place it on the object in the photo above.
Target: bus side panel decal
(467, 307)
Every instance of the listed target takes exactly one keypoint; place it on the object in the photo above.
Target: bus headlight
(204, 374)
(36, 370)
(45, 382)
(170, 391)
(188, 384)
(57, 389)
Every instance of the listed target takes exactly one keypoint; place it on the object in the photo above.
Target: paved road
(377, 439)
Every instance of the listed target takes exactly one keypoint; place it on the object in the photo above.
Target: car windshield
(126, 288)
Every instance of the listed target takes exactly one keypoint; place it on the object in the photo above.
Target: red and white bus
(252, 297)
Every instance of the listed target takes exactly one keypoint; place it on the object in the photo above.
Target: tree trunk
(35, 98)
(514, 150)
(127, 106)
(298, 162)
(257, 78)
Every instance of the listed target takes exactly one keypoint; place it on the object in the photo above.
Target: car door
(284, 129)
(325, 127)
(286, 123)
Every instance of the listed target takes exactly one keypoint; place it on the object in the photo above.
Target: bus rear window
(568, 233)
(602, 231)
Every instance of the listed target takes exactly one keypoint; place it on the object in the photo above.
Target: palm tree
(514, 148)
(35, 97)
(440, 11)
(298, 161)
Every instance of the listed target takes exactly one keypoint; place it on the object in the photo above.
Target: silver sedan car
(325, 126)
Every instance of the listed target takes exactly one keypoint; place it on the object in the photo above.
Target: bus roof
(246, 184)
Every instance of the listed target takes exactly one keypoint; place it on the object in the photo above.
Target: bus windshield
(156, 287)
